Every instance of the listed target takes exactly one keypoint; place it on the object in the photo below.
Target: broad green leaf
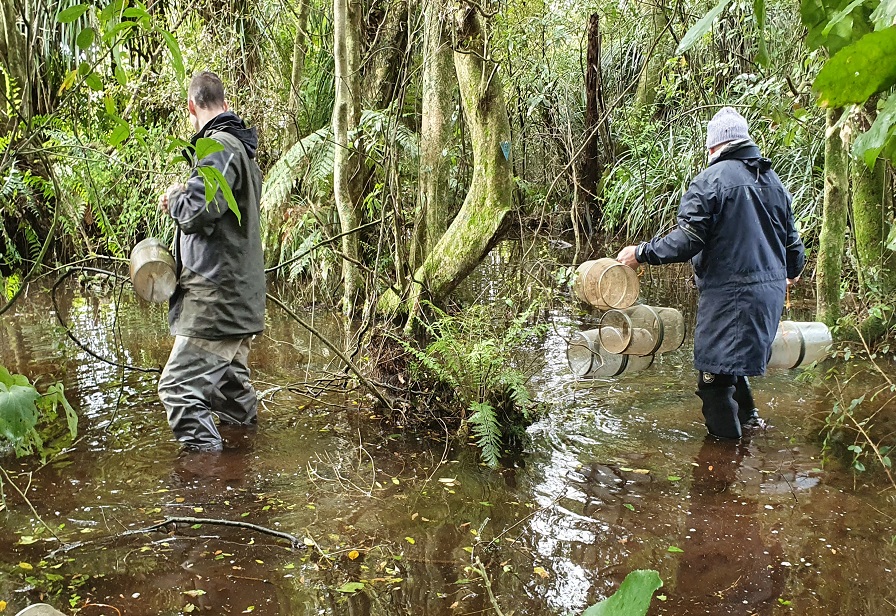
(214, 181)
(121, 132)
(177, 58)
(884, 15)
(701, 27)
(206, 146)
(9, 379)
(18, 412)
(869, 145)
(121, 75)
(85, 38)
(136, 12)
(71, 13)
(350, 587)
(858, 71)
(94, 82)
(632, 598)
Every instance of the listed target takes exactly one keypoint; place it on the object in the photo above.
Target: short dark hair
(206, 90)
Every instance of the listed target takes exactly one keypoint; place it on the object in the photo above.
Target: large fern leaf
(282, 177)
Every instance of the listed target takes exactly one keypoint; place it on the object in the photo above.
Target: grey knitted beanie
(726, 125)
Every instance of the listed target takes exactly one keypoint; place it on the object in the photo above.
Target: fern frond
(282, 177)
(486, 428)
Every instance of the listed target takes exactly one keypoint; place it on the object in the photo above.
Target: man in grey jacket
(736, 226)
(218, 306)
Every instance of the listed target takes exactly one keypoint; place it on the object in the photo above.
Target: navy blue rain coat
(736, 225)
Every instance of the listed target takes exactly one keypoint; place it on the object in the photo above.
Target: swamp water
(619, 476)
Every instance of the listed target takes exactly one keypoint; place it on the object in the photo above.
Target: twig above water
(294, 541)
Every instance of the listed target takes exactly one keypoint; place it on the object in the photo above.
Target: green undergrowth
(477, 358)
(31, 422)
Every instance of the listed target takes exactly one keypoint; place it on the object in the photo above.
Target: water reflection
(617, 473)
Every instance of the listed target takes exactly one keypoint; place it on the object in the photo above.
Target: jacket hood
(229, 122)
(746, 151)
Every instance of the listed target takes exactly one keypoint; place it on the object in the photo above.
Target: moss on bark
(833, 225)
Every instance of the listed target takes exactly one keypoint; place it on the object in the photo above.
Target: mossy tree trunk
(833, 225)
(871, 219)
(347, 160)
(438, 86)
(481, 218)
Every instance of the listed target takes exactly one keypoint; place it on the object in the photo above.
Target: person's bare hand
(168, 194)
(792, 281)
(626, 256)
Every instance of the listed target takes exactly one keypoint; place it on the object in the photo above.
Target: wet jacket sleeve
(190, 209)
(795, 251)
(688, 238)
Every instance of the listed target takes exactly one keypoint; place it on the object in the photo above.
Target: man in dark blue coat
(736, 226)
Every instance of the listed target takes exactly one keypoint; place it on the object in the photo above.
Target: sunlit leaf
(540, 572)
(675, 550)
(410, 540)
(700, 28)
(353, 555)
(632, 598)
(72, 13)
(858, 71)
(26, 566)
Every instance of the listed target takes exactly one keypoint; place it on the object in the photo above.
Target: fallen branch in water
(295, 541)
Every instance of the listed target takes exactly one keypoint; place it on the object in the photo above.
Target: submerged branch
(294, 541)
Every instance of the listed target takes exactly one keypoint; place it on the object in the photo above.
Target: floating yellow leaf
(189, 608)
(540, 571)
(395, 480)
(308, 541)
(641, 471)
(353, 555)
(410, 540)
(2, 605)
(26, 566)
(198, 509)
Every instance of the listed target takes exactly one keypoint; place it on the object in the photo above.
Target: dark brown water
(617, 475)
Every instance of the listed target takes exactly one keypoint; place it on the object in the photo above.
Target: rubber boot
(720, 411)
(747, 413)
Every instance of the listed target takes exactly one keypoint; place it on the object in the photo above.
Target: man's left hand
(626, 256)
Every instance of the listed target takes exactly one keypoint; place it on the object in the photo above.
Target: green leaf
(56, 394)
(871, 143)
(350, 587)
(884, 15)
(675, 550)
(632, 598)
(94, 82)
(206, 146)
(858, 71)
(121, 132)
(72, 13)
(176, 57)
(214, 181)
(85, 38)
(847, 27)
(18, 411)
(121, 76)
(891, 238)
(841, 15)
(701, 27)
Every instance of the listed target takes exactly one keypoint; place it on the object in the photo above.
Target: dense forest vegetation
(402, 141)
